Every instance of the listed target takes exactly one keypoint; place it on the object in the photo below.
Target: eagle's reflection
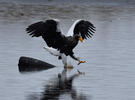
(59, 87)
(62, 85)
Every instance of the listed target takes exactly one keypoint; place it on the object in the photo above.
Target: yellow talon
(68, 67)
(81, 62)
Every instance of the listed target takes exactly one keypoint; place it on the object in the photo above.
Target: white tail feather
(55, 52)
(52, 51)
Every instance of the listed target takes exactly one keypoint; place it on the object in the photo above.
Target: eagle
(59, 44)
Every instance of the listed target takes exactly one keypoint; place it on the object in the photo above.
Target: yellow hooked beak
(81, 39)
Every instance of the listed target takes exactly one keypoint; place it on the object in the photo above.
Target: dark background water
(109, 71)
(77, 1)
(114, 2)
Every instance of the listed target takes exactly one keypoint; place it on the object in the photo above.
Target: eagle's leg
(76, 58)
(64, 61)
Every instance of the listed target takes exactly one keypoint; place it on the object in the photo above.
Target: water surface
(109, 71)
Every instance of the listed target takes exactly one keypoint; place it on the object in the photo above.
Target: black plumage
(85, 28)
(50, 32)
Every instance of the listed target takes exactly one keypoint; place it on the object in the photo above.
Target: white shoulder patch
(58, 24)
(70, 31)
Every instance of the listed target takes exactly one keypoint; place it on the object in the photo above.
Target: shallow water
(109, 68)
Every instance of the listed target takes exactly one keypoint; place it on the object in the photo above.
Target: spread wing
(50, 32)
(85, 28)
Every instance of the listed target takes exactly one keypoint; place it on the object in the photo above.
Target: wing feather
(85, 28)
(50, 32)
(70, 31)
(36, 29)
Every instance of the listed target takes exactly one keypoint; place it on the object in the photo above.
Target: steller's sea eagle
(59, 44)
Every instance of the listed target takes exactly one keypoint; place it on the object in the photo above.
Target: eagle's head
(78, 37)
